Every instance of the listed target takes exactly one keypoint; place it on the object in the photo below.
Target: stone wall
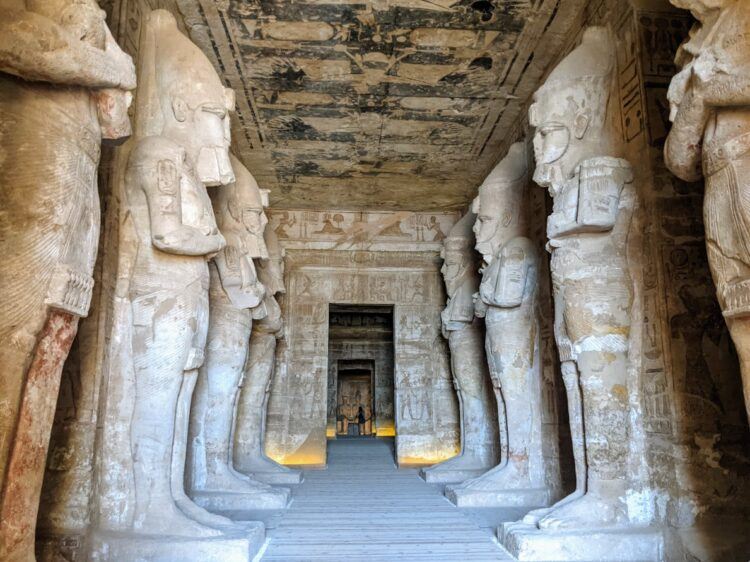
(363, 258)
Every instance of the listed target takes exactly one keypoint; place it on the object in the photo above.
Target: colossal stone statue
(593, 195)
(64, 86)
(462, 329)
(575, 144)
(508, 301)
(710, 137)
(168, 233)
(249, 454)
(235, 299)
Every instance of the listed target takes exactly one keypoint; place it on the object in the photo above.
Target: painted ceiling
(377, 104)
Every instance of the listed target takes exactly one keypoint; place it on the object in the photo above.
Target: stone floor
(362, 508)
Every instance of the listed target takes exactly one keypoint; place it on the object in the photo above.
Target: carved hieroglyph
(508, 302)
(593, 194)
(471, 379)
(235, 300)
(710, 137)
(168, 233)
(63, 88)
(249, 453)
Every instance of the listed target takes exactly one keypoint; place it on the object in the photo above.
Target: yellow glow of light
(331, 432)
(388, 430)
(427, 460)
(297, 459)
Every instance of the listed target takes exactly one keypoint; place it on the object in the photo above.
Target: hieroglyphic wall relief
(374, 231)
(426, 413)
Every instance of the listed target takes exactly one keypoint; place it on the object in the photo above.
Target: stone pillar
(249, 453)
(508, 302)
(710, 138)
(471, 379)
(576, 147)
(235, 299)
(167, 234)
(64, 86)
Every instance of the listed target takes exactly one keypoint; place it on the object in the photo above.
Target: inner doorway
(360, 371)
(355, 398)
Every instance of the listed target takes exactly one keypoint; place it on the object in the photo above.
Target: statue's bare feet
(204, 517)
(171, 521)
(508, 477)
(461, 462)
(224, 479)
(264, 464)
(590, 511)
(533, 517)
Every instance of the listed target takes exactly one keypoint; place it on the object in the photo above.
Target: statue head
(499, 203)
(569, 112)
(271, 270)
(182, 97)
(239, 207)
(458, 253)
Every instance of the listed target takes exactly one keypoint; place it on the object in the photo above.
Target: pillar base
(288, 476)
(528, 498)
(133, 547)
(275, 498)
(622, 544)
(436, 475)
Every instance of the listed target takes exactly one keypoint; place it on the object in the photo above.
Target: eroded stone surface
(63, 88)
(575, 147)
(168, 232)
(709, 138)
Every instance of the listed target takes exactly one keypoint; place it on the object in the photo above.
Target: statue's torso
(154, 269)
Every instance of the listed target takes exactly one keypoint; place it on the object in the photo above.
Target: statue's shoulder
(155, 148)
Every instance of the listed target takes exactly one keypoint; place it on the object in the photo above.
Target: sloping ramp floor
(362, 508)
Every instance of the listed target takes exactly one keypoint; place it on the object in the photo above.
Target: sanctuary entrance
(360, 371)
(354, 399)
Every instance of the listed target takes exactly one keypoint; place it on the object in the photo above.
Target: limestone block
(631, 544)
(235, 547)
(64, 86)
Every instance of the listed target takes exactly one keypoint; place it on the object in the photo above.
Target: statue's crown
(461, 236)
(580, 81)
(171, 66)
(509, 170)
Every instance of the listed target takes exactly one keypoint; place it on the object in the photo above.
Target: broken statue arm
(36, 48)
(161, 185)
